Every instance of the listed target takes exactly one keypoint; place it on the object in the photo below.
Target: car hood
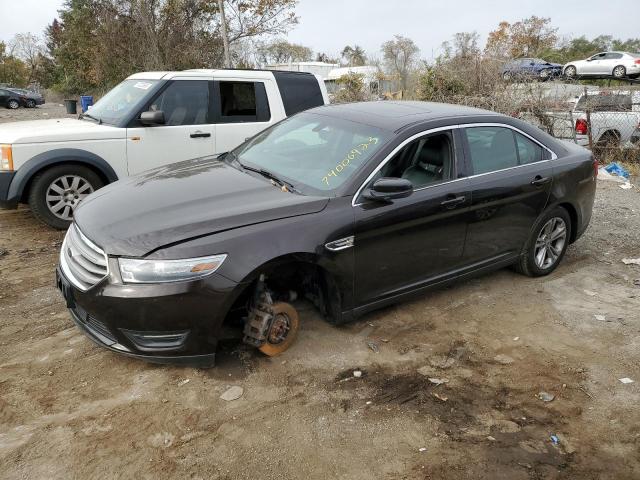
(57, 130)
(183, 201)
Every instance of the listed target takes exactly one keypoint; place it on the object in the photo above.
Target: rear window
(605, 103)
(299, 91)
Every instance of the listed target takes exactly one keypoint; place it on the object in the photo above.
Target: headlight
(162, 271)
(6, 158)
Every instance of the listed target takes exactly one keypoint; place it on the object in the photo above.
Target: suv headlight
(163, 271)
(6, 158)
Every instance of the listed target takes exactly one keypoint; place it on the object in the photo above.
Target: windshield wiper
(290, 187)
(99, 120)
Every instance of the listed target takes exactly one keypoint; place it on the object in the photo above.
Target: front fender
(55, 157)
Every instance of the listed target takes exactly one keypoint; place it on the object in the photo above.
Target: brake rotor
(283, 330)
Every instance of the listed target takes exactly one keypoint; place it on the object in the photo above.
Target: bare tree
(225, 34)
(400, 56)
(355, 55)
(29, 48)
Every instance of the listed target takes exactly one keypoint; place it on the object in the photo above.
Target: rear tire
(547, 244)
(619, 72)
(56, 192)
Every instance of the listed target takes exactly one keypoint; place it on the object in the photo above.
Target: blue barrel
(85, 102)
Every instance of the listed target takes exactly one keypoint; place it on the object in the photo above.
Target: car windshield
(121, 100)
(314, 153)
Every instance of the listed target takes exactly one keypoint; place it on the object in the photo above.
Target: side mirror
(387, 189)
(151, 118)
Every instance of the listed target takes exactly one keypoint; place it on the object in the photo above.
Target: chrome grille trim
(83, 262)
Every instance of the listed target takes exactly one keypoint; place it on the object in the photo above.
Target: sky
(329, 25)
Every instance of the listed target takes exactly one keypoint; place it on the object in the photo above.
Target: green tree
(355, 56)
(13, 71)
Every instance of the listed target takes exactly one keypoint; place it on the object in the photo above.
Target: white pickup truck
(149, 120)
(614, 117)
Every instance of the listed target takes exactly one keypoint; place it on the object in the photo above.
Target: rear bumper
(5, 183)
(162, 323)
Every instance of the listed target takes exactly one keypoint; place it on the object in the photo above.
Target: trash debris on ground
(555, 440)
(442, 398)
(636, 282)
(604, 175)
(233, 393)
(438, 381)
(616, 169)
(373, 346)
(546, 397)
(385, 340)
(440, 361)
(491, 439)
(625, 380)
(422, 449)
(631, 261)
(183, 382)
(626, 186)
(357, 373)
(503, 359)
(515, 339)
(600, 318)
(590, 293)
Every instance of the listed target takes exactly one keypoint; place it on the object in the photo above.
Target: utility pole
(225, 36)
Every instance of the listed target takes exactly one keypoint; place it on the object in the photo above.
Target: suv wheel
(13, 104)
(56, 192)
(619, 71)
(547, 245)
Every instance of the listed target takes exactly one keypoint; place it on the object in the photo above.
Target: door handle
(200, 135)
(453, 202)
(540, 181)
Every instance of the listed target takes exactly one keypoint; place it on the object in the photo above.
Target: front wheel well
(27, 188)
(294, 277)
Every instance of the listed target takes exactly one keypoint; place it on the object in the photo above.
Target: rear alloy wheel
(547, 245)
(283, 330)
(13, 104)
(620, 71)
(570, 72)
(56, 193)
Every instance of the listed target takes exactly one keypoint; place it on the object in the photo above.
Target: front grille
(83, 263)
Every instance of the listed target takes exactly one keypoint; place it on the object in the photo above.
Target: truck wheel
(13, 104)
(283, 330)
(547, 245)
(56, 192)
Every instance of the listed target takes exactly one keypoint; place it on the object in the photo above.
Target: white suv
(149, 120)
(605, 64)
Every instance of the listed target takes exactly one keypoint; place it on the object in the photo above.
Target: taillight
(582, 127)
(637, 62)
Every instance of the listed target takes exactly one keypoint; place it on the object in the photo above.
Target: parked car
(15, 98)
(605, 64)
(28, 98)
(614, 117)
(149, 120)
(353, 207)
(523, 68)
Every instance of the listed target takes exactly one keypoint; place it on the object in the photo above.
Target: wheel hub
(279, 329)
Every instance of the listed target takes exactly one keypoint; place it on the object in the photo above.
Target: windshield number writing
(353, 154)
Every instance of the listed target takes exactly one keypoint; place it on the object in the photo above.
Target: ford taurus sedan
(352, 207)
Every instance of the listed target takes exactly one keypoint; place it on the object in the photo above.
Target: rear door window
(491, 148)
(528, 150)
(239, 102)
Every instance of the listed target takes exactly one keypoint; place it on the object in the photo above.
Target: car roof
(395, 115)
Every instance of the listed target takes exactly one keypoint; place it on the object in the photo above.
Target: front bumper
(5, 183)
(178, 323)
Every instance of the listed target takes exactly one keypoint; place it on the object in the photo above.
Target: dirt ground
(69, 409)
